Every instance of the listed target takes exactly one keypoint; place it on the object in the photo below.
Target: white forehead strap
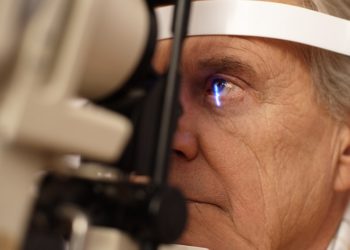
(262, 19)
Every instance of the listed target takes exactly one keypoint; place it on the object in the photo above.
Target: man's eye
(219, 89)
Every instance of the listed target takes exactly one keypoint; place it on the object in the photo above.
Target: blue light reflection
(217, 95)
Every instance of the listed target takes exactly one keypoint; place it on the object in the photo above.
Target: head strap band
(262, 19)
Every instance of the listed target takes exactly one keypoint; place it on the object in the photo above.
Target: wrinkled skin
(266, 169)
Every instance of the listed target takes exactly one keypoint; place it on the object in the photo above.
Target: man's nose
(185, 141)
(185, 145)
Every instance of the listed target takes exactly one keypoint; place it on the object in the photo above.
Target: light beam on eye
(217, 95)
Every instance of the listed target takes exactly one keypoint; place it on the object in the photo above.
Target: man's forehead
(250, 50)
(251, 56)
(216, 45)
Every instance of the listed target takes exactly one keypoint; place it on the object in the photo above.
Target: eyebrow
(227, 64)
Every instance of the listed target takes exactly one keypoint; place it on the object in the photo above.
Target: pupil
(218, 85)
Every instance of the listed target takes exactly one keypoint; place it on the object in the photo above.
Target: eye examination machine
(86, 123)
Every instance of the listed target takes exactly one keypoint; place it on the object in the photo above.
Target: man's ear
(342, 178)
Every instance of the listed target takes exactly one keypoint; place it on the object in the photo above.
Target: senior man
(262, 148)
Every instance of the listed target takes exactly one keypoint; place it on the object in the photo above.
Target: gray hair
(331, 71)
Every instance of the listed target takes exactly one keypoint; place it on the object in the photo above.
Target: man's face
(254, 151)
